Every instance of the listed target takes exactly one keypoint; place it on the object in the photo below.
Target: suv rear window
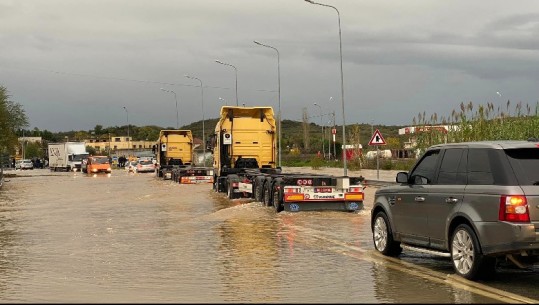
(525, 163)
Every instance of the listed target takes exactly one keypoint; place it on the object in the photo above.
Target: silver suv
(475, 202)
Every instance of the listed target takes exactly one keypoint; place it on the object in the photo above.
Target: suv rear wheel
(466, 255)
(383, 237)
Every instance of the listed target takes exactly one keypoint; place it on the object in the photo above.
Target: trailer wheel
(215, 184)
(277, 204)
(230, 188)
(267, 194)
(259, 189)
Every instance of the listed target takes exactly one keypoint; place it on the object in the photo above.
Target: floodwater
(133, 238)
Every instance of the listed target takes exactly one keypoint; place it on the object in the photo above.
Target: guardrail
(377, 183)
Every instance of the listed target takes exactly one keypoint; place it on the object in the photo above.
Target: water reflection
(401, 287)
(105, 175)
(248, 260)
(287, 232)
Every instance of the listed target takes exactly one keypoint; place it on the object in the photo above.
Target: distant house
(23, 141)
(353, 151)
(120, 145)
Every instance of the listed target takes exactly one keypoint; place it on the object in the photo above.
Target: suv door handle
(419, 199)
(451, 200)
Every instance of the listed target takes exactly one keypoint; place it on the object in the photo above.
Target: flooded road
(124, 237)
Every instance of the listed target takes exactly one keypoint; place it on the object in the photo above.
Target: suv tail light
(514, 209)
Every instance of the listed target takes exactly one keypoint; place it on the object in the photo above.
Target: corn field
(481, 123)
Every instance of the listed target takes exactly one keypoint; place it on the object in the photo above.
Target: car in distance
(131, 166)
(24, 164)
(144, 166)
(476, 203)
(98, 164)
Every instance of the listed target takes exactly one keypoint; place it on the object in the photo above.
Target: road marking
(416, 270)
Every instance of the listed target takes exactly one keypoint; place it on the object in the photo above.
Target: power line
(126, 79)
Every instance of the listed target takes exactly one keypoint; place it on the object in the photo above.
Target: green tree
(98, 129)
(91, 150)
(33, 150)
(12, 118)
(393, 143)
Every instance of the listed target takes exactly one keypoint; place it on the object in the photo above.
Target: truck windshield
(101, 160)
(79, 157)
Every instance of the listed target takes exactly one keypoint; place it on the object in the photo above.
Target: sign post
(377, 140)
(334, 132)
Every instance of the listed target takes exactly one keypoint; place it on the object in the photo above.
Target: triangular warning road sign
(377, 139)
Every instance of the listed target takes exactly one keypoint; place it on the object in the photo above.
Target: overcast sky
(74, 64)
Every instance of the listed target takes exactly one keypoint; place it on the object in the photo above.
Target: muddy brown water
(124, 237)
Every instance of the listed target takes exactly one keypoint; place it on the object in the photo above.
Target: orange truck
(97, 164)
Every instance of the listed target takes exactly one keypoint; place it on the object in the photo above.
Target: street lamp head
(257, 42)
(219, 62)
(310, 1)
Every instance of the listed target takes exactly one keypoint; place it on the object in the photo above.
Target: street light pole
(203, 130)
(334, 127)
(329, 139)
(321, 125)
(222, 63)
(175, 98)
(128, 139)
(23, 142)
(279, 86)
(342, 85)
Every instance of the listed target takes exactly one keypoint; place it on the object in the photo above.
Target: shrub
(316, 162)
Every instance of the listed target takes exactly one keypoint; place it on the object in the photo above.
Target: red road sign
(334, 130)
(377, 139)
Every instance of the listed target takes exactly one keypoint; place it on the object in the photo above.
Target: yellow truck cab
(244, 148)
(174, 149)
(175, 158)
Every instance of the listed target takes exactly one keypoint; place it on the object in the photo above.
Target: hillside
(292, 133)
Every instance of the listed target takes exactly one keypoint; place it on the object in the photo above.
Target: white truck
(66, 156)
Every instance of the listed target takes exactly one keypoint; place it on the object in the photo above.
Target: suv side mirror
(420, 180)
(402, 177)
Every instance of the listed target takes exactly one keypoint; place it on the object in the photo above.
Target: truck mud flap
(195, 179)
(349, 206)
